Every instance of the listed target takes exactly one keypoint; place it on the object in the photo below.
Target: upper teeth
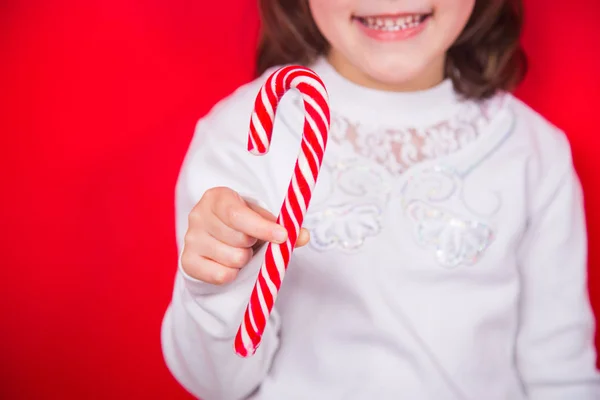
(392, 23)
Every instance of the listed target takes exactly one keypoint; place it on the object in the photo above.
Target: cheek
(330, 16)
(454, 15)
(323, 11)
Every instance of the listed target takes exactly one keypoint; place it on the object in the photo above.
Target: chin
(394, 74)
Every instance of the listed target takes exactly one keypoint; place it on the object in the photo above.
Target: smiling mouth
(393, 23)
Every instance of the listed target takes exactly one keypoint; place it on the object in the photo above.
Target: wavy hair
(486, 57)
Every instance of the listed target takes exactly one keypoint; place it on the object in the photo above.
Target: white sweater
(447, 258)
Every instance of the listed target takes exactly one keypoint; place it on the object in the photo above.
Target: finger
(261, 211)
(223, 233)
(221, 253)
(207, 270)
(227, 235)
(303, 238)
(236, 214)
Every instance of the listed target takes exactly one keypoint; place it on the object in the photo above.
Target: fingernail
(280, 235)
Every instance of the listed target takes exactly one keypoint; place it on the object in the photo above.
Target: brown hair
(486, 57)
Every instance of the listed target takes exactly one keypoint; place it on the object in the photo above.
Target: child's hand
(224, 231)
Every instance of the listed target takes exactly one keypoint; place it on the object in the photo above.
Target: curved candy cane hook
(308, 163)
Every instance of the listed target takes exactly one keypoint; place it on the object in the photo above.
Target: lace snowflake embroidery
(454, 240)
(345, 226)
(399, 149)
(365, 163)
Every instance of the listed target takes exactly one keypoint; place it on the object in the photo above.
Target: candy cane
(314, 140)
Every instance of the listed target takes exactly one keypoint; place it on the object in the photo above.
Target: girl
(448, 249)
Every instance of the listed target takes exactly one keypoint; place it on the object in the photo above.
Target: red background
(99, 100)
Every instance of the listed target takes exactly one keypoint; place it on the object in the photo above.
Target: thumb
(303, 238)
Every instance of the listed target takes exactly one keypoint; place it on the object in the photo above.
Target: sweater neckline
(361, 103)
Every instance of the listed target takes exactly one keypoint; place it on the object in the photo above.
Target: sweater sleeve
(555, 346)
(201, 321)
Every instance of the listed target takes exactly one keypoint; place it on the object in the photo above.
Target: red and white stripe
(314, 141)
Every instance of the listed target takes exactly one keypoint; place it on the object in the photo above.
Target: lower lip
(390, 36)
